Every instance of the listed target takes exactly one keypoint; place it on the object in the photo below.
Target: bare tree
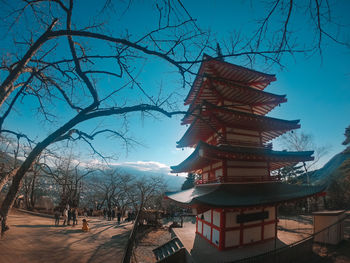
(31, 184)
(67, 172)
(142, 193)
(57, 61)
(11, 152)
(107, 188)
(73, 79)
(300, 141)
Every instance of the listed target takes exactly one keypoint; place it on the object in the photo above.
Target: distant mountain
(331, 170)
(336, 174)
(173, 182)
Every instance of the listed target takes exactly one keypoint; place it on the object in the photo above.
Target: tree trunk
(32, 193)
(29, 161)
(6, 176)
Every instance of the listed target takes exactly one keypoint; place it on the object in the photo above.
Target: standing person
(65, 216)
(119, 215)
(57, 217)
(69, 216)
(104, 213)
(113, 214)
(74, 216)
(109, 214)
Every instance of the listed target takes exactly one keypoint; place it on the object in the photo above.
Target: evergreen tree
(290, 173)
(347, 139)
(189, 182)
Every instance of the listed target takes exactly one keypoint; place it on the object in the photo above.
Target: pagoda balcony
(238, 179)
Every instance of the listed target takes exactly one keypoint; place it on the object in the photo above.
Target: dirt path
(36, 239)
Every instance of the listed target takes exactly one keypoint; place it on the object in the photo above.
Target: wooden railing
(238, 179)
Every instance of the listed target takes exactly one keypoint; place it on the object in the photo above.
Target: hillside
(336, 173)
(333, 169)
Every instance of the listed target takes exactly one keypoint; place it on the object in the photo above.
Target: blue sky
(318, 90)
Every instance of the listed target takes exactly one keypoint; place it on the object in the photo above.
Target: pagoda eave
(207, 109)
(227, 71)
(214, 118)
(244, 195)
(204, 154)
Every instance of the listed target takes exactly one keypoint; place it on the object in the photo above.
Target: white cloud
(150, 166)
(142, 166)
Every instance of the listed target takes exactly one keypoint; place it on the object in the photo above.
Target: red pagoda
(235, 197)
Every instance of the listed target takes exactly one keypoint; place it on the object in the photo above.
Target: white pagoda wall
(220, 227)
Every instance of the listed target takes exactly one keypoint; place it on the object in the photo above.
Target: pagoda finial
(219, 53)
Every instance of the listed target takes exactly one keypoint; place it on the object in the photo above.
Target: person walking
(57, 217)
(65, 216)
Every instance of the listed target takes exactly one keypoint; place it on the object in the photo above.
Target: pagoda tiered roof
(204, 154)
(206, 119)
(244, 195)
(227, 75)
(215, 90)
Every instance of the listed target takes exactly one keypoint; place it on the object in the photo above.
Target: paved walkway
(36, 239)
